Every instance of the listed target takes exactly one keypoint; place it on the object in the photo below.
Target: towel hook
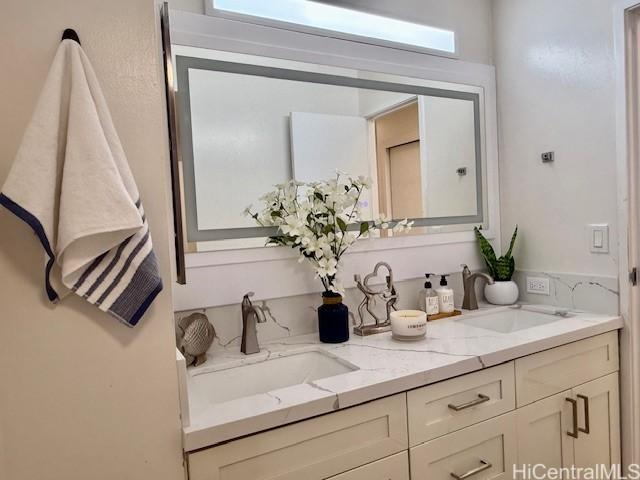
(71, 34)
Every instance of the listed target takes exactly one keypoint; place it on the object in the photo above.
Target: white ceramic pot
(501, 293)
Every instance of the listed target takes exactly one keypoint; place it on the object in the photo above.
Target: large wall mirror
(247, 123)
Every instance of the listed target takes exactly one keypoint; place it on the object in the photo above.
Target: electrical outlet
(538, 285)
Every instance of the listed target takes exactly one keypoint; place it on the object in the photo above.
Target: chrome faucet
(469, 283)
(251, 314)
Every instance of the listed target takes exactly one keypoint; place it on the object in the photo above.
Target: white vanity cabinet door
(602, 444)
(546, 373)
(543, 427)
(311, 450)
(395, 467)
(447, 406)
(487, 448)
(542, 432)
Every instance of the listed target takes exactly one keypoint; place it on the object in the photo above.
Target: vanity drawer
(487, 448)
(546, 373)
(445, 407)
(395, 467)
(314, 449)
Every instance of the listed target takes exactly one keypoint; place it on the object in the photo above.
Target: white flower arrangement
(321, 220)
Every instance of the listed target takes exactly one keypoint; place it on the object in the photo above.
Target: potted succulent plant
(504, 291)
(321, 220)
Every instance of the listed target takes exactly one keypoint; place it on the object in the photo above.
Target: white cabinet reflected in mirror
(247, 123)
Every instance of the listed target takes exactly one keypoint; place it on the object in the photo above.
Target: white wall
(194, 6)
(555, 75)
(375, 102)
(448, 142)
(470, 19)
(82, 396)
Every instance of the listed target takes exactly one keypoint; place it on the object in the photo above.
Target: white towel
(71, 183)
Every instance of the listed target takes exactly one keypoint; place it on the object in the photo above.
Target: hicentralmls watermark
(597, 472)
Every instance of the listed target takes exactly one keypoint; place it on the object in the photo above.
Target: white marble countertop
(385, 367)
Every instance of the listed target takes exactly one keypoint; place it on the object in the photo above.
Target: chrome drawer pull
(481, 399)
(483, 466)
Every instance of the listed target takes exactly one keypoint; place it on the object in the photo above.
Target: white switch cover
(538, 285)
(599, 238)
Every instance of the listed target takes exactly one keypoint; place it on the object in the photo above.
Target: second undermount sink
(513, 320)
(261, 377)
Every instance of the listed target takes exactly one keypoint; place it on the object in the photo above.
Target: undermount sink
(265, 376)
(513, 320)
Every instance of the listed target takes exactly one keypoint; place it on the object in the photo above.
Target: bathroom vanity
(483, 392)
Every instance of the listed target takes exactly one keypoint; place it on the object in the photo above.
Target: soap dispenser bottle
(428, 298)
(445, 296)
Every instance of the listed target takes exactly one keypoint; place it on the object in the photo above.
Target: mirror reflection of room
(418, 142)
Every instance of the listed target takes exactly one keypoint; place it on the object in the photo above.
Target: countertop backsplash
(293, 316)
(597, 294)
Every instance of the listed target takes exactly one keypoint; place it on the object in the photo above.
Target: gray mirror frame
(185, 63)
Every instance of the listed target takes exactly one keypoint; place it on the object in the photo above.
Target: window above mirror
(319, 18)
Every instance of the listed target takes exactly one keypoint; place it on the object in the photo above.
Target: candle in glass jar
(408, 324)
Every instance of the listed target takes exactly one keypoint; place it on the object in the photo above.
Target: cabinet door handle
(574, 408)
(484, 465)
(585, 399)
(481, 399)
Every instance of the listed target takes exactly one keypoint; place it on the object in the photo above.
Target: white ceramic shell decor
(194, 335)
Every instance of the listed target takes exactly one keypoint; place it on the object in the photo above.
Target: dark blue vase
(333, 319)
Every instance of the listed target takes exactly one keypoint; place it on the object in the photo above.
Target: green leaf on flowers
(275, 241)
(341, 224)
(364, 228)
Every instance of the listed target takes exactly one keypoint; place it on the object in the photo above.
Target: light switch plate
(599, 238)
(538, 285)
